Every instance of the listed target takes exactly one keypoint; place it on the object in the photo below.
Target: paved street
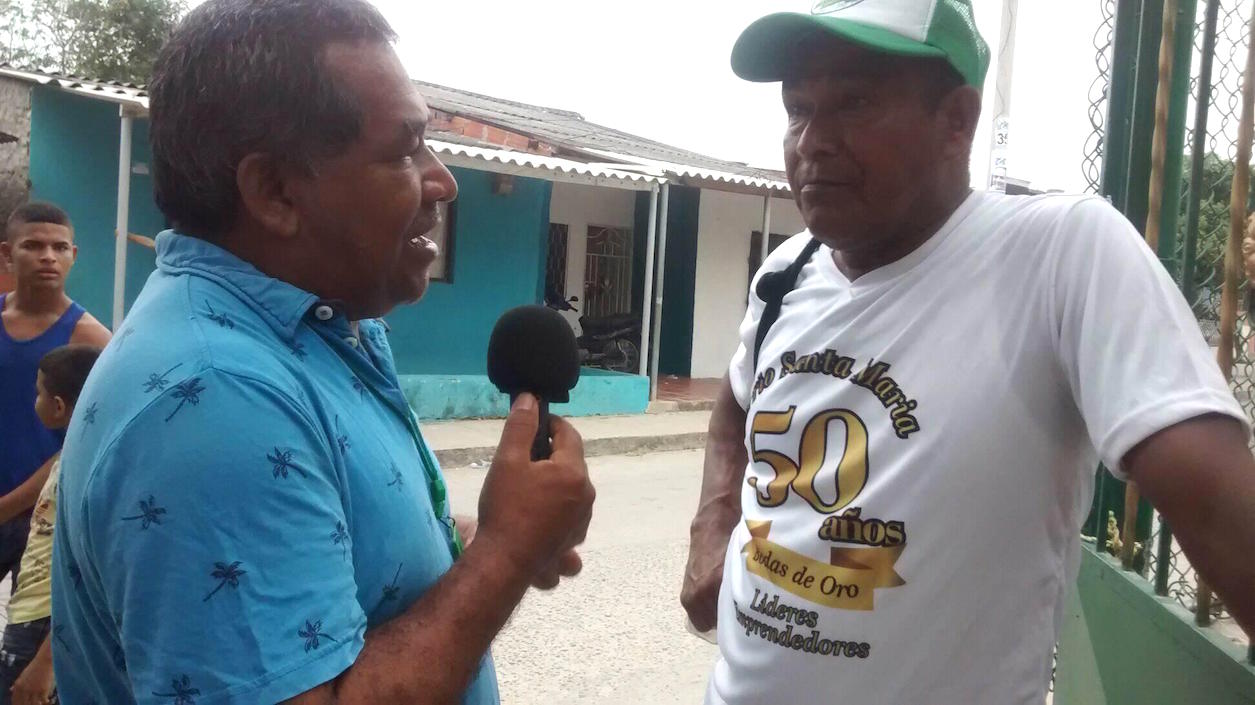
(614, 635)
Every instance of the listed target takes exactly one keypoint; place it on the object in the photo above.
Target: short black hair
(35, 212)
(66, 368)
(244, 76)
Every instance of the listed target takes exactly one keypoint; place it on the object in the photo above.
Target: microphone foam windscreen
(533, 349)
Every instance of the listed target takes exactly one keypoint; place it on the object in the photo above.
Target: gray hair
(244, 76)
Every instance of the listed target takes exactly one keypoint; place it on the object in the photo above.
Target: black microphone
(533, 349)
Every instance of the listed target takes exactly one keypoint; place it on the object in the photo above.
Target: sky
(660, 69)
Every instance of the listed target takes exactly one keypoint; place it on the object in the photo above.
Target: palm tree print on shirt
(282, 461)
(359, 387)
(149, 513)
(340, 537)
(225, 575)
(312, 633)
(342, 439)
(187, 393)
(393, 589)
(298, 349)
(89, 417)
(220, 318)
(158, 382)
(397, 479)
(182, 691)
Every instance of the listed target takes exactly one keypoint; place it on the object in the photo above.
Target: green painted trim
(1123, 645)
(1120, 101)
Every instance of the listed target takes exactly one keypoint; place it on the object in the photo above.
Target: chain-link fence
(1203, 230)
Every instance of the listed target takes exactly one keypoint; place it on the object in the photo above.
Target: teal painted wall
(74, 163)
(472, 396)
(679, 278)
(498, 263)
(1122, 645)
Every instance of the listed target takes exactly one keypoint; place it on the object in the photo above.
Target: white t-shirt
(923, 443)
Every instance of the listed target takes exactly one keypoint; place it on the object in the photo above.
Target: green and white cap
(946, 29)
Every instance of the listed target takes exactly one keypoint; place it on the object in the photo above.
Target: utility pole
(1001, 141)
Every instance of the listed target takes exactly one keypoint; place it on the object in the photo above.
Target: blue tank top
(26, 443)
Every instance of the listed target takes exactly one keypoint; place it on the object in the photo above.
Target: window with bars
(555, 262)
(608, 271)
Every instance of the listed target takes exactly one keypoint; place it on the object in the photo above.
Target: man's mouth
(423, 242)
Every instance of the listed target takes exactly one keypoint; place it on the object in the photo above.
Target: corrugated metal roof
(128, 94)
(630, 159)
(570, 131)
(552, 168)
(681, 171)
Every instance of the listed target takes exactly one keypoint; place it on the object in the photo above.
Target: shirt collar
(279, 303)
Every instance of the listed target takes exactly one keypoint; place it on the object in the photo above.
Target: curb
(593, 447)
(663, 406)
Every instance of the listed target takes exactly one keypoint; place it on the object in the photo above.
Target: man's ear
(63, 409)
(6, 253)
(959, 114)
(263, 185)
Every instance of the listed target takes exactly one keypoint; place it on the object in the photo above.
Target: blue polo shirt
(244, 494)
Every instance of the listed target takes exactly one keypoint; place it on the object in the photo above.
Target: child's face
(51, 410)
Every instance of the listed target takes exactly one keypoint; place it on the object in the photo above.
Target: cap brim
(773, 47)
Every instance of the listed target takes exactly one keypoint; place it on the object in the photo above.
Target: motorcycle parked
(608, 342)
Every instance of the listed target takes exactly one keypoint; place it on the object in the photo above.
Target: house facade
(547, 201)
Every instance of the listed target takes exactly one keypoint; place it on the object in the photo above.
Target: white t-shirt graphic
(923, 443)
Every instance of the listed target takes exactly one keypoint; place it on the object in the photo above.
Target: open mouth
(423, 242)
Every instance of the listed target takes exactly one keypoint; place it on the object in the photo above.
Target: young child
(26, 655)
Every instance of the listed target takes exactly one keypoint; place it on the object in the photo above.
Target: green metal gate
(1204, 109)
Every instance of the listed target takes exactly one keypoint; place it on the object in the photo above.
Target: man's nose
(439, 184)
(822, 136)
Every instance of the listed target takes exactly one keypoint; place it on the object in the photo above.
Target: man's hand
(718, 510)
(1201, 477)
(532, 515)
(703, 576)
(536, 513)
(466, 527)
(34, 686)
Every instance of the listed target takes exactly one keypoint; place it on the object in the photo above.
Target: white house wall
(726, 223)
(579, 207)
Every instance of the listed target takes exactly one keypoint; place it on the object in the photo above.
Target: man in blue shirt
(249, 513)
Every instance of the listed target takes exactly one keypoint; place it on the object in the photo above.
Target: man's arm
(24, 497)
(529, 513)
(35, 683)
(1201, 476)
(718, 509)
(89, 331)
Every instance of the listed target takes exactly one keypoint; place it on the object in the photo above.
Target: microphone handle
(541, 446)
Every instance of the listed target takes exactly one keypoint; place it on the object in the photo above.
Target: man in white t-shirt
(896, 480)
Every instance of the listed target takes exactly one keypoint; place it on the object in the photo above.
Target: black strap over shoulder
(773, 287)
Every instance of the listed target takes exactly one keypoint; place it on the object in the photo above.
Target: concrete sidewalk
(463, 443)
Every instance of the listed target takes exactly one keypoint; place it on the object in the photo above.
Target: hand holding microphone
(537, 499)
